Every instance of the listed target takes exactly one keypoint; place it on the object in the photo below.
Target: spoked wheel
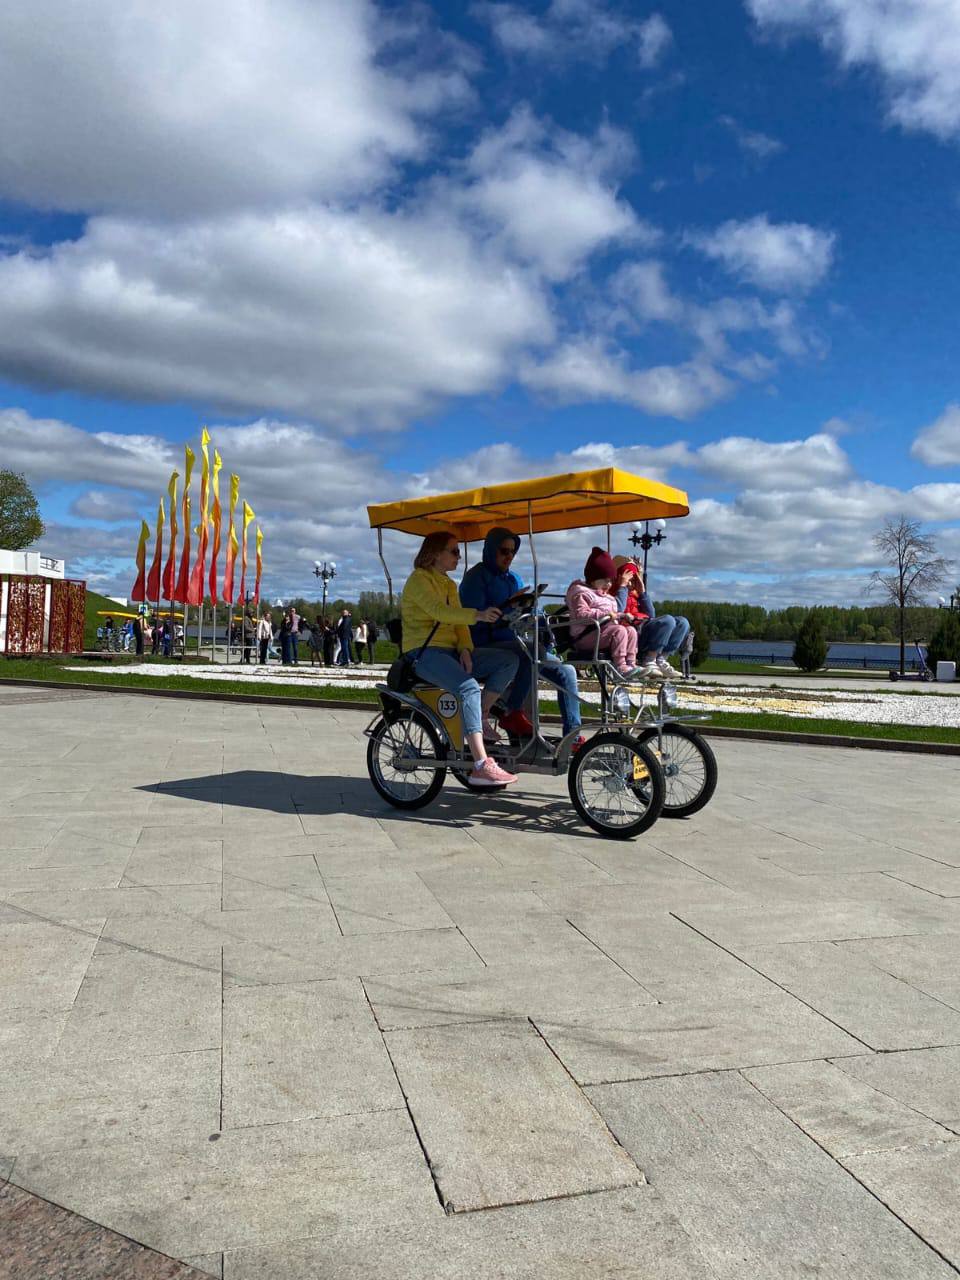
(393, 750)
(689, 769)
(616, 785)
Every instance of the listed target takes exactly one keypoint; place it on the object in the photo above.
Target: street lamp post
(325, 572)
(646, 540)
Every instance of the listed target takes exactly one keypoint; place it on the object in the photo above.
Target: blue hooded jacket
(486, 585)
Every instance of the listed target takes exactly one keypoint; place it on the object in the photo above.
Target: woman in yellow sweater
(450, 660)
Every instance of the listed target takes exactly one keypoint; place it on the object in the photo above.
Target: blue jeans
(653, 634)
(559, 673)
(345, 655)
(441, 667)
(681, 629)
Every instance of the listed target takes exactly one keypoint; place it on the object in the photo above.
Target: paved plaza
(259, 1022)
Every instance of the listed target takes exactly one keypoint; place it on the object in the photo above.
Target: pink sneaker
(489, 774)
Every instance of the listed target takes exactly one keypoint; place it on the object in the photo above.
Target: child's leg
(622, 643)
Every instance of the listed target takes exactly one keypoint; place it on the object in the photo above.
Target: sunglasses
(506, 551)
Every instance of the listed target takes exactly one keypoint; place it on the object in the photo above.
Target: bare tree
(916, 569)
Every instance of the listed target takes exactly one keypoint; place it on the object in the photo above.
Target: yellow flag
(190, 456)
(204, 476)
(232, 543)
(248, 515)
(170, 568)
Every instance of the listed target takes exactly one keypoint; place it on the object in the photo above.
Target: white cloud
(354, 319)
(763, 464)
(185, 108)
(780, 256)
(938, 445)
(108, 507)
(550, 194)
(577, 29)
(795, 509)
(589, 370)
(914, 46)
(760, 145)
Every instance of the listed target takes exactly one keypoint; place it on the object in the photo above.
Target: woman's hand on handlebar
(488, 615)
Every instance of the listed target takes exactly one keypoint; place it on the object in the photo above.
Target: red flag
(140, 585)
(183, 579)
(153, 577)
(217, 464)
(170, 568)
(256, 585)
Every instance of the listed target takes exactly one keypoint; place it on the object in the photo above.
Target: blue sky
(383, 250)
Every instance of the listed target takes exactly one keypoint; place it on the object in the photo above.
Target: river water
(780, 653)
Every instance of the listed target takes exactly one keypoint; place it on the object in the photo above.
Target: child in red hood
(657, 637)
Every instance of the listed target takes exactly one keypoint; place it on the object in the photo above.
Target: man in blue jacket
(491, 583)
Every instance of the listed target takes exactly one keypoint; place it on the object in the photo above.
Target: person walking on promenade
(286, 637)
(329, 643)
(295, 621)
(138, 636)
(373, 635)
(315, 640)
(345, 633)
(249, 625)
(360, 638)
(264, 636)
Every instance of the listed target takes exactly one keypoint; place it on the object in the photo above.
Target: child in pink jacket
(589, 599)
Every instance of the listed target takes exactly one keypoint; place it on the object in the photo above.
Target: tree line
(871, 624)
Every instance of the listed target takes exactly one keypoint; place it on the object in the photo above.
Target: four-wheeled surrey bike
(641, 760)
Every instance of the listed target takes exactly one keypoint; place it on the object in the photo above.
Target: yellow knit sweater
(429, 597)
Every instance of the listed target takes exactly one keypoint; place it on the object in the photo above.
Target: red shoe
(517, 723)
(576, 744)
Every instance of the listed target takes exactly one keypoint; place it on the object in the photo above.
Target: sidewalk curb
(344, 704)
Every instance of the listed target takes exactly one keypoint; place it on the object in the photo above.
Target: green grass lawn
(48, 669)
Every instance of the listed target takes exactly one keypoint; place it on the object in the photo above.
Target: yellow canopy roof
(572, 501)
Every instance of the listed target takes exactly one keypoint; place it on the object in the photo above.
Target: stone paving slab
(522, 1131)
(273, 1183)
(842, 1113)
(204, 1067)
(681, 1036)
(756, 1195)
(300, 1051)
(617, 1235)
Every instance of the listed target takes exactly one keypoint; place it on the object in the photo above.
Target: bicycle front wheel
(616, 785)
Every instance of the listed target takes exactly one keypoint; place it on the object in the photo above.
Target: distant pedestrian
(249, 625)
(329, 643)
(286, 638)
(373, 635)
(360, 638)
(138, 636)
(264, 636)
(295, 635)
(315, 641)
(345, 634)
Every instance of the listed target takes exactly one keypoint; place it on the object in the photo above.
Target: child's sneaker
(646, 671)
(489, 774)
(666, 668)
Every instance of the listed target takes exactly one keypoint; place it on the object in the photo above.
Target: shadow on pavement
(314, 795)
